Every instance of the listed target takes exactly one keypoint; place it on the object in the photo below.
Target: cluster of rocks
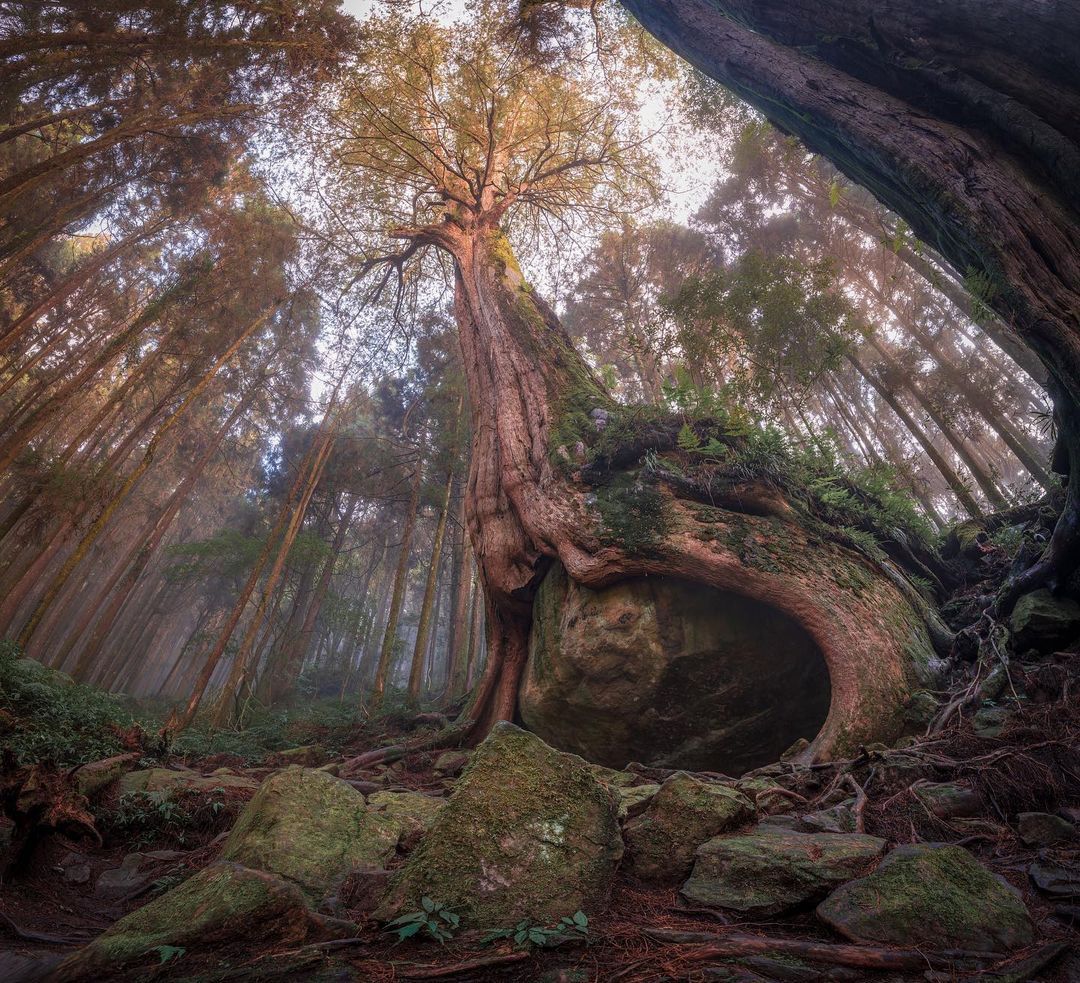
(531, 833)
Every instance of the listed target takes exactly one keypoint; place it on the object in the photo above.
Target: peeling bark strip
(963, 116)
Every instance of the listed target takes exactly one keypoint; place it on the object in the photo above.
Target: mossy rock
(529, 833)
(680, 817)
(771, 871)
(634, 799)
(923, 895)
(948, 800)
(309, 756)
(219, 905)
(162, 782)
(1044, 622)
(311, 829)
(414, 811)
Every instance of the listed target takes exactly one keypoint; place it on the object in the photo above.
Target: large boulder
(1044, 622)
(683, 814)
(529, 833)
(771, 871)
(809, 641)
(668, 672)
(413, 811)
(215, 907)
(311, 829)
(935, 896)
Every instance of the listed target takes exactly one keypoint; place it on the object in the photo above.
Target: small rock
(680, 817)
(1055, 879)
(1038, 829)
(940, 897)
(77, 874)
(528, 833)
(119, 881)
(217, 906)
(635, 799)
(771, 871)
(922, 706)
(451, 763)
(947, 800)
(789, 822)
(989, 721)
(839, 818)
(797, 750)
(413, 811)
(1044, 622)
(309, 756)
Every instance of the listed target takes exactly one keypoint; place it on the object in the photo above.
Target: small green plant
(168, 953)
(438, 921)
(569, 928)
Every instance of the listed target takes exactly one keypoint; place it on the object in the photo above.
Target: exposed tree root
(459, 969)
(708, 945)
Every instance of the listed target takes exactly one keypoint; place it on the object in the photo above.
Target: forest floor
(77, 865)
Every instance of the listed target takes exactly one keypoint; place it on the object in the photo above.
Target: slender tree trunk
(457, 655)
(244, 662)
(423, 628)
(961, 491)
(386, 653)
(91, 534)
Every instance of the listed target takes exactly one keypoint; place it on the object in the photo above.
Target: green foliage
(326, 722)
(569, 928)
(982, 289)
(633, 515)
(145, 818)
(169, 952)
(228, 553)
(434, 919)
(53, 718)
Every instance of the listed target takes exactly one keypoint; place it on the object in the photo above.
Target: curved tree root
(709, 945)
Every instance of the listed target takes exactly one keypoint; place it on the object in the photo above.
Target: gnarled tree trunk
(532, 399)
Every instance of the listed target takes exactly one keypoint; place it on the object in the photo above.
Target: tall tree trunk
(459, 616)
(96, 527)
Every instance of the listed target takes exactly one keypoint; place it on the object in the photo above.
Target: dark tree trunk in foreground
(963, 116)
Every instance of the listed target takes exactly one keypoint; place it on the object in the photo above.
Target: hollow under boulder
(674, 673)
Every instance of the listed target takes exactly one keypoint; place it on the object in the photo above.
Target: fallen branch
(456, 969)
(712, 946)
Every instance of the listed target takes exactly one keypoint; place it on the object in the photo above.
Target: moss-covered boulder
(528, 833)
(213, 908)
(413, 811)
(680, 817)
(311, 829)
(771, 871)
(923, 895)
(1044, 622)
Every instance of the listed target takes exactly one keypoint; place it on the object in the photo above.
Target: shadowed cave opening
(670, 673)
